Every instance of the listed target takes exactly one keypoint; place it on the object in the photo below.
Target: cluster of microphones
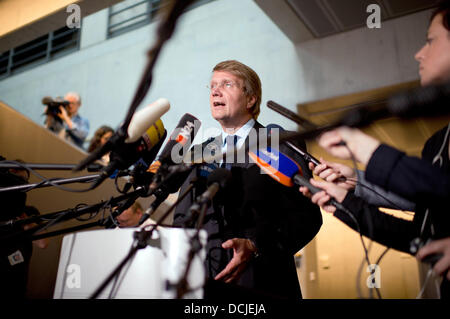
(164, 174)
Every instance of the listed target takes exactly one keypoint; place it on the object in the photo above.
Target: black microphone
(307, 125)
(176, 147)
(427, 101)
(126, 154)
(430, 100)
(180, 140)
(166, 180)
(306, 156)
(137, 128)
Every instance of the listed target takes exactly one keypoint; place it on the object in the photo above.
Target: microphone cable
(370, 226)
(50, 181)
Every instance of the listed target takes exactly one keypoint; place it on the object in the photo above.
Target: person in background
(16, 255)
(426, 181)
(131, 216)
(69, 124)
(101, 136)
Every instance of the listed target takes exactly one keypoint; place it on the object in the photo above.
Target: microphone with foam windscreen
(430, 100)
(166, 181)
(141, 121)
(284, 170)
(144, 148)
(427, 101)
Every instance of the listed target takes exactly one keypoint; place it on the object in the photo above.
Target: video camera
(54, 104)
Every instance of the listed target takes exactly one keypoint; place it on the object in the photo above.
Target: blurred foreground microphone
(304, 123)
(140, 122)
(165, 182)
(146, 147)
(284, 170)
(425, 101)
(306, 156)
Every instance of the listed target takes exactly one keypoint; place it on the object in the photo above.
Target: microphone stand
(35, 166)
(51, 182)
(63, 216)
(182, 285)
(141, 239)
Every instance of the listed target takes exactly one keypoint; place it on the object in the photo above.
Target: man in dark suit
(255, 225)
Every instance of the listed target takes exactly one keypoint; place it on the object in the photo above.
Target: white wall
(106, 72)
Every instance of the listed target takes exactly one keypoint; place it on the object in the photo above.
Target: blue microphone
(285, 170)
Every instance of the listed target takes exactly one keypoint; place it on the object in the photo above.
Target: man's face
(129, 218)
(74, 104)
(434, 57)
(230, 106)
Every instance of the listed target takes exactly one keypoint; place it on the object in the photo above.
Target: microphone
(168, 181)
(285, 170)
(139, 124)
(180, 139)
(427, 101)
(291, 115)
(145, 148)
(140, 121)
(430, 100)
(179, 142)
(306, 156)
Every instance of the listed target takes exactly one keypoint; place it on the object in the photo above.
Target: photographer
(15, 256)
(65, 120)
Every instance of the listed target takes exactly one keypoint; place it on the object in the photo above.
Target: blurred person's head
(101, 136)
(20, 172)
(434, 56)
(74, 103)
(131, 216)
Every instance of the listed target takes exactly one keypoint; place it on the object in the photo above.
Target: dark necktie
(231, 141)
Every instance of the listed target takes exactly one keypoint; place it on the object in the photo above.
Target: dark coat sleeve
(408, 176)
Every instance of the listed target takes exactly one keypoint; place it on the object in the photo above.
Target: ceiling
(302, 20)
(23, 21)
